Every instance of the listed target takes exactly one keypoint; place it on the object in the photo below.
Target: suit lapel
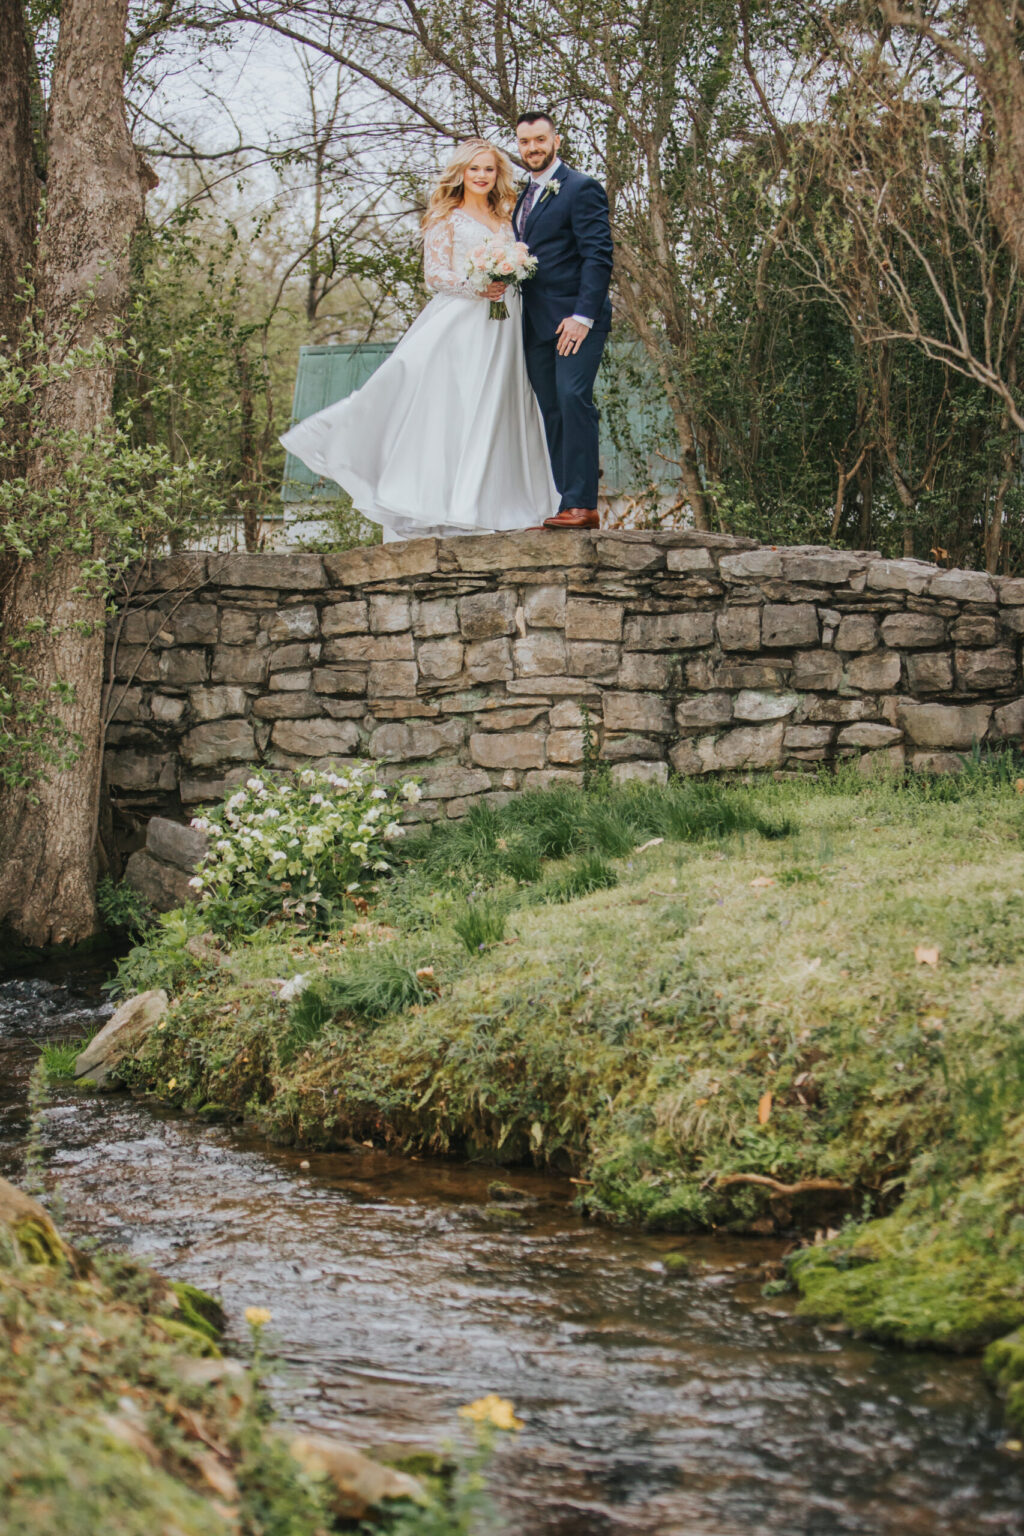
(561, 176)
(515, 211)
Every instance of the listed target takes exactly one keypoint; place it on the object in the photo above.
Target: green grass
(59, 1057)
(589, 873)
(750, 1000)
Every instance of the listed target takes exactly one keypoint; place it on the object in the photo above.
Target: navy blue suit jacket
(571, 237)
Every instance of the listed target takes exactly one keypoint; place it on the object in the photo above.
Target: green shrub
(163, 959)
(125, 913)
(297, 847)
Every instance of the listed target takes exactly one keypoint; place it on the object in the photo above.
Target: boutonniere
(554, 186)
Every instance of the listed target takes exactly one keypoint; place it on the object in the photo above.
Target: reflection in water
(654, 1404)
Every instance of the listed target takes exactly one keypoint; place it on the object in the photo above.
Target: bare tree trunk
(19, 190)
(996, 511)
(94, 206)
(248, 491)
(866, 486)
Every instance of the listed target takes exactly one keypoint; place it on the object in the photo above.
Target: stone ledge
(471, 661)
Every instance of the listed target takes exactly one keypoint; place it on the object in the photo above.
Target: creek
(656, 1403)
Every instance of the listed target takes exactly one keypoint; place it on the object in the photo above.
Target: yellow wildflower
(258, 1317)
(172, 1082)
(494, 1410)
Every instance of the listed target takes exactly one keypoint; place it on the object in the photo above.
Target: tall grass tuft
(373, 987)
(59, 1057)
(565, 822)
(586, 874)
(481, 924)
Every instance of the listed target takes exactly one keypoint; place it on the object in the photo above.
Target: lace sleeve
(439, 262)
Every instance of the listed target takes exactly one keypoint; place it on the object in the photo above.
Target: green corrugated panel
(327, 374)
(649, 423)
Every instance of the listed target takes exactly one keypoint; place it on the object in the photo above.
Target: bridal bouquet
(498, 262)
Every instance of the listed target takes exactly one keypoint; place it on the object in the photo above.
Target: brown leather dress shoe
(574, 517)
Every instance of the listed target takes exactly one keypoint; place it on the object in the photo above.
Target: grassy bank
(800, 1008)
(119, 1414)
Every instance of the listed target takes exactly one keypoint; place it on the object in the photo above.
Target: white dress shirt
(541, 179)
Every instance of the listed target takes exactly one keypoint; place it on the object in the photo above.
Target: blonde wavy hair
(450, 189)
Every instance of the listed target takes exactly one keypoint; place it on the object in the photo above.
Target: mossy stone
(678, 1264)
(196, 1338)
(199, 1310)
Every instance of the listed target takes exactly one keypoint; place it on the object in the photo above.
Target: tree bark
(19, 189)
(94, 205)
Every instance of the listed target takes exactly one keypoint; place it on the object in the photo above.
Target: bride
(446, 437)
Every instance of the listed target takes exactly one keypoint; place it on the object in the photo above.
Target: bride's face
(481, 174)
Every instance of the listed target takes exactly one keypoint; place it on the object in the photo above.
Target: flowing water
(654, 1404)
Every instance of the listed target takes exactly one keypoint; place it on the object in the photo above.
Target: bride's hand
(495, 291)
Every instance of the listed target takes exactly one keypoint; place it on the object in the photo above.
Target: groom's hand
(571, 336)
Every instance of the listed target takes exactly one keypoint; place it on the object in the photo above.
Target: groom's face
(538, 144)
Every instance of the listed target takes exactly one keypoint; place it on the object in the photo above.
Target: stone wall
(469, 661)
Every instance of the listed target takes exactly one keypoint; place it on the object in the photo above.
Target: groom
(562, 216)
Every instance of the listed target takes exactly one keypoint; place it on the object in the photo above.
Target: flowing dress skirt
(447, 436)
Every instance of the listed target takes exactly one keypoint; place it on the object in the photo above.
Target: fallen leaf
(926, 954)
(218, 1477)
(764, 1108)
(1018, 785)
(761, 882)
(654, 842)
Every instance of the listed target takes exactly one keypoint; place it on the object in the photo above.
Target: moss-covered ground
(771, 1006)
(118, 1414)
(116, 1411)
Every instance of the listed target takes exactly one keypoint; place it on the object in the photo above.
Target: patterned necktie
(527, 204)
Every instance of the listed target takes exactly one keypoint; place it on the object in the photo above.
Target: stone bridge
(473, 661)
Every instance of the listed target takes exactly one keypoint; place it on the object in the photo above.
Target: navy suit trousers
(564, 387)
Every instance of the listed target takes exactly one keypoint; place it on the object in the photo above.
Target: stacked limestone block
(468, 661)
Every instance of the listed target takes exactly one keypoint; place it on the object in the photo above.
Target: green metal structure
(330, 373)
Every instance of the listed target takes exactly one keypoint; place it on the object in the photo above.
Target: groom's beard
(538, 170)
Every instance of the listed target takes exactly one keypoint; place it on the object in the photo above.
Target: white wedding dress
(446, 437)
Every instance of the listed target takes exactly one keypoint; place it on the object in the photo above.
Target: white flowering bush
(298, 847)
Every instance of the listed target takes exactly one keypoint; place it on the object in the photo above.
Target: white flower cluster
(318, 836)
